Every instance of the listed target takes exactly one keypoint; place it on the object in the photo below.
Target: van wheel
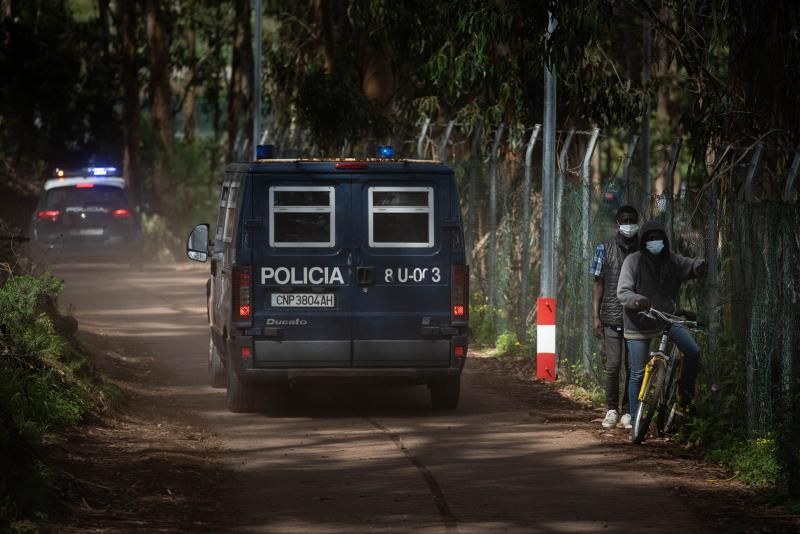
(273, 398)
(240, 393)
(216, 370)
(444, 394)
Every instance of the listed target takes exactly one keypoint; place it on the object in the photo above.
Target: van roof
(344, 165)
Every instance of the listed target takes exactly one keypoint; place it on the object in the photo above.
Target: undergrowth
(46, 385)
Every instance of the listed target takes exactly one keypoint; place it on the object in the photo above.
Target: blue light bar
(101, 171)
(265, 151)
(385, 151)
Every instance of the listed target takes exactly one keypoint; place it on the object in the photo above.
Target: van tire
(240, 393)
(216, 369)
(445, 394)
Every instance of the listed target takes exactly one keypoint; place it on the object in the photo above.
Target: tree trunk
(189, 104)
(130, 101)
(328, 35)
(241, 83)
(105, 21)
(161, 101)
(159, 75)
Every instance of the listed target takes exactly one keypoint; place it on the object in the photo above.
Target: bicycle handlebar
(681, 320)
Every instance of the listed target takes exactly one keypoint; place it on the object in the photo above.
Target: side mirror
(197, 244)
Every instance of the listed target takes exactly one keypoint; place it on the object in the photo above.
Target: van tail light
(459, 300)
(48, 215)
(242, 294)
(121, 213)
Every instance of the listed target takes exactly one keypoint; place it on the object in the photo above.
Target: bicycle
(658, 394)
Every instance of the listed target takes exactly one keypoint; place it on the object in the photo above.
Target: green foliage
(483, 328)
(753, 462)
(333, 107)
(507, 343)
(591, 393)
(160, 242)
(22, 300)
(193, 181)
(46, 384)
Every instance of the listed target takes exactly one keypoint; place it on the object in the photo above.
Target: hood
(651, 226)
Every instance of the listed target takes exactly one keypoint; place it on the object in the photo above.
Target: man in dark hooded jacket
(653, 277)
(607, 311)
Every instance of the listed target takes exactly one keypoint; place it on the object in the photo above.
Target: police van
(336, 270)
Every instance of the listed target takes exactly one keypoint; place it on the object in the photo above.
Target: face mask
(655, 247)
(628, 230)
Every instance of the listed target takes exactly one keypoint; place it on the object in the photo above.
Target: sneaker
(611, 419)
(625, 421)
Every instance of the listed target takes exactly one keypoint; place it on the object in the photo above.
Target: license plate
(303, 300)
(88, 231)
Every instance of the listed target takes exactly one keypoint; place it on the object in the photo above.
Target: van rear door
(301, 272)
(401, 290)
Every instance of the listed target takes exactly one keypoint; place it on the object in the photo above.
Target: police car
(335, 270)
(85, 214)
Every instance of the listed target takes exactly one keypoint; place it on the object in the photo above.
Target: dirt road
(362, 459)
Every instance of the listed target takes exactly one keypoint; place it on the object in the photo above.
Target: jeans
(639, 350)
(616, 354)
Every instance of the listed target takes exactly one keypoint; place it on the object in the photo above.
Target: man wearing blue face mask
(607, 311)
(653, 277)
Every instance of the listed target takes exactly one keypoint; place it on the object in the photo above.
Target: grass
(590, 394)
(47, 384)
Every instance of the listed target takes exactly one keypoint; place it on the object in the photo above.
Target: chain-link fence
(739, 211)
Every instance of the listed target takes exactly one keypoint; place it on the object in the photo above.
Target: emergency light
(265, 151)
(101, 171)
(385, 151)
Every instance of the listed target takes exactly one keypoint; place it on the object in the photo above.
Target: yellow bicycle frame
(649, 367)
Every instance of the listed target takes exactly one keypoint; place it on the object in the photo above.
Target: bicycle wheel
(649, 405)
(666, 416)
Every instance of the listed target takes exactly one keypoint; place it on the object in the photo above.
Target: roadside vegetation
(166, 90)
(47, 384)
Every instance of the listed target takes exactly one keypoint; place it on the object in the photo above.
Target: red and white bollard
(546, 338)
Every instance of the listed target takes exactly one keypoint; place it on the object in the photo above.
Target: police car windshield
(97, 195)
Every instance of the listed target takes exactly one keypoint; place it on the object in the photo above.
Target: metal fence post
(526, 230)
(258, 43)
(626, 168)
(472, 202)
(494, 156)
(546, 357)
(790, 303)
(748, 239)
(790, 191)
(712, 278)
(442, 152)
(755, 162)
(421, 139)
(669, 179)
(586, 199)
(561, 177)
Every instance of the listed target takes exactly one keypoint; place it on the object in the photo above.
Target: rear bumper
(405, 375)
(335, 375)
(127, 248)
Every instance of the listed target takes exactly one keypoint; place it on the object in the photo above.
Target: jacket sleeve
(687, 267)
(626, 286)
